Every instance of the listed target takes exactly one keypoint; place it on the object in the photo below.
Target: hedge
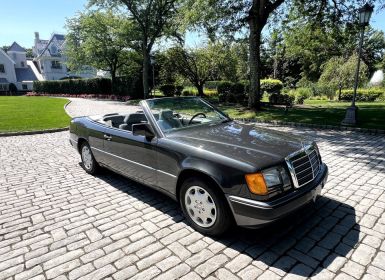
(125, 86)
(281, 99)
(231, 92)
(271, 85)
(171, 90)
(370, 94)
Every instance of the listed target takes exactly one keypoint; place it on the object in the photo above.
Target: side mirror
(143, 129)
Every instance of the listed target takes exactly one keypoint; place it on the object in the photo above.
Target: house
(50, 61)
(15, 69)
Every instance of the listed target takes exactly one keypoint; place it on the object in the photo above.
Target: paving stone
(62, 268)
(166, 264)
(250, 272)
(153, 259)
(211, 265)
(100, 273)
(80, 271)
(125, 273)
(27, 274)
(107, 259)
(238, 263)
(363, 254)
(353, 269)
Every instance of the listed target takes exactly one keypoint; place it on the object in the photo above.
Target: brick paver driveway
(56, 221)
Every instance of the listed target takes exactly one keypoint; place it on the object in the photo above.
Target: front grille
(304, 165)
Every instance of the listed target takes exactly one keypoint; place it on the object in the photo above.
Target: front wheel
(204, 207)
(88, 161)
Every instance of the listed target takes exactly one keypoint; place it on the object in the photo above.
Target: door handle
(107, 137)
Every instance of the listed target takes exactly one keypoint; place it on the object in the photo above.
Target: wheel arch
(81, 140)
(190, 173)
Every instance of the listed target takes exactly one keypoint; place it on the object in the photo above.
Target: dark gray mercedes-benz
(219, 170)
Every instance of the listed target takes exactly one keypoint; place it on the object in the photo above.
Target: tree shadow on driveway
(315, 239)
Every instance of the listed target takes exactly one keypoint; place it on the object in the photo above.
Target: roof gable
(58, 41)
(16, 48)
(6, 55)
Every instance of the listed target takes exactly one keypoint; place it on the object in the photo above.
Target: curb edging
(316, 126)
(33, 132)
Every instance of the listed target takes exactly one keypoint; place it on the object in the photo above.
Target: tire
(89, 163)
(205, 207)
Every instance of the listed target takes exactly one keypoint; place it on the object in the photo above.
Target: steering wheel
(196, 115)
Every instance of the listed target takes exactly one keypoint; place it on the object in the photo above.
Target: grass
(370, 114)
(22, 113)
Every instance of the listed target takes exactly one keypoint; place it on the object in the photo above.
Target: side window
(25, 87)
(2, 69)
(56, 64)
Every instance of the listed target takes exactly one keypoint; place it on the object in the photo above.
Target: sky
(21, 18)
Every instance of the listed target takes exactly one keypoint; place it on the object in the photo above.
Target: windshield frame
(146, 107)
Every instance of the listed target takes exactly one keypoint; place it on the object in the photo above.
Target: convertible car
(219, 170)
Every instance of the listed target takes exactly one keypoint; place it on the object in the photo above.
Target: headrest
(135, 117)
(166, 115)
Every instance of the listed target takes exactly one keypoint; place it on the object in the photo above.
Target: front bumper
(252, 213)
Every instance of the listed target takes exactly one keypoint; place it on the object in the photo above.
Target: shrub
(300, 94)
(212, 84)
(231, 92)
(187, 92)
(12, 88)
(178, 90)
(167, 89)
(281, 99)
(271, 85)
(370, 94)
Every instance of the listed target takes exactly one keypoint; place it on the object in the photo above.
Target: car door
(131, 155)
(95, 135)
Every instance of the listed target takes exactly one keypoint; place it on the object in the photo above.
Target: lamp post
(364, 17)
(152, 61)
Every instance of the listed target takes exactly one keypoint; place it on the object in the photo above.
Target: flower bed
(86, 96)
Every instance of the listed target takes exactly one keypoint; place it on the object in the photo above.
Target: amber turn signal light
(256, 183)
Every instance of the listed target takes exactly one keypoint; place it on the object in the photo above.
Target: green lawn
(22, 113)
(370, 114)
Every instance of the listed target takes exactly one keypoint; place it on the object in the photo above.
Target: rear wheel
(204, 207)
(88, 161)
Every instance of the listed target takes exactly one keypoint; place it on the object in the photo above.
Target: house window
(56, 64)
(25, 87)
(2, 69)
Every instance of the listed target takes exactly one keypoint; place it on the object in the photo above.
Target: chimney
(37, 39)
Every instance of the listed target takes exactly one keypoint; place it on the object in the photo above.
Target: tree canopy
(103, 40)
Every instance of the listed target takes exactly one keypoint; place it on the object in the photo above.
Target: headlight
(272, 177)
(259, 183)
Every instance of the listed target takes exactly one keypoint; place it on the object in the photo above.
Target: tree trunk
(200, 90)
(255, 63)
(146, 63)
(113, 81)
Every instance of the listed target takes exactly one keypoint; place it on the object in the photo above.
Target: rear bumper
(252, 213)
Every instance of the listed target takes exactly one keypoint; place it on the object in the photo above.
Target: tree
(102, 40)
(230, 16)
(154, 19)
(340, 72)
(196, 65)
(5, 48)
(29, 52)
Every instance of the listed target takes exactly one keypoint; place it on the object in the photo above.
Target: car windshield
(178, 113)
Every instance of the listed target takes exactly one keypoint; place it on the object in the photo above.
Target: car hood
(247, 143)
